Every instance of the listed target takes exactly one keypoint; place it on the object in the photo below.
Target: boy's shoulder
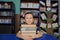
(47, 37)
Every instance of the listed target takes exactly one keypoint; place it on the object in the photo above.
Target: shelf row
(6, 5)
(7, 13)
(30, 5)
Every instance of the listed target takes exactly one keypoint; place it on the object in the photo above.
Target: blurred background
(46, 14)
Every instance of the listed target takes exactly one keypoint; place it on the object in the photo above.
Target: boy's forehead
(28, 15)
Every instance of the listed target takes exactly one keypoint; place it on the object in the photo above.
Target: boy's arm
(19, 34)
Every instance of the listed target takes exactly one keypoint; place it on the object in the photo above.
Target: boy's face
(29, 18)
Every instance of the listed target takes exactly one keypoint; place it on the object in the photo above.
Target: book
(35, 14)
(6, 5)
(28, 29)
(54, 25)
(43, 16)
(55, 4)
(29, 26)
(22, 13)
(24, 5)
(0, 20)
(22, 21)
(35, 20)
(0, 6)
(54, 10)
(30, 5)
(48, 2)
(42, 9)
(43, 25)
(54, 17)
(48, 9)
(49, 25)
(35, 5)
(41, 2)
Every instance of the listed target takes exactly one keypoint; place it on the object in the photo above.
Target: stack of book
(28, 29)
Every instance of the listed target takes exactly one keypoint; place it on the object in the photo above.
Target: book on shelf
(43, 25)
(1, 21)
(5, 5)
(5, 13)
(59, 30)
(43, 16)
(0, 6)
(55, 4)
(35, 20)
(42, 9)
(54, 25)
(8, 21)
(34, 12)
(48, 9)
(54, 10)
(48, 2)
(29, 5)
(23, 5)
(22, 20)
(23, 13)
(59, 19)
(54, 17)
(5, 21)
(26, 11)
(49, 25)
(35, 5)
(42, 3)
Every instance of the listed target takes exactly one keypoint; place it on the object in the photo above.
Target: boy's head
(29, 18)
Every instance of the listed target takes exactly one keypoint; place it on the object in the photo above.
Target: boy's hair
(28, 13)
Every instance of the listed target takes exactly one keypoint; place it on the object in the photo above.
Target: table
(8, 37)
(13, 37)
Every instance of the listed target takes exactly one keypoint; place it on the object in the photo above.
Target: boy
(39, 36)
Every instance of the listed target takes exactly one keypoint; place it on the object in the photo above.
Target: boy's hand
(39, 34)
(27, 37)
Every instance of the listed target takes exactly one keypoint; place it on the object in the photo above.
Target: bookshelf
(49, 15)
(7, 16)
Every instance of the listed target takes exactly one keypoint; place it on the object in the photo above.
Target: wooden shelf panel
(29, 9)
(34, 1)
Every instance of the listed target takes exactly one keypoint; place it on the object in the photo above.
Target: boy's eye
(30, 18)
(26, 18)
